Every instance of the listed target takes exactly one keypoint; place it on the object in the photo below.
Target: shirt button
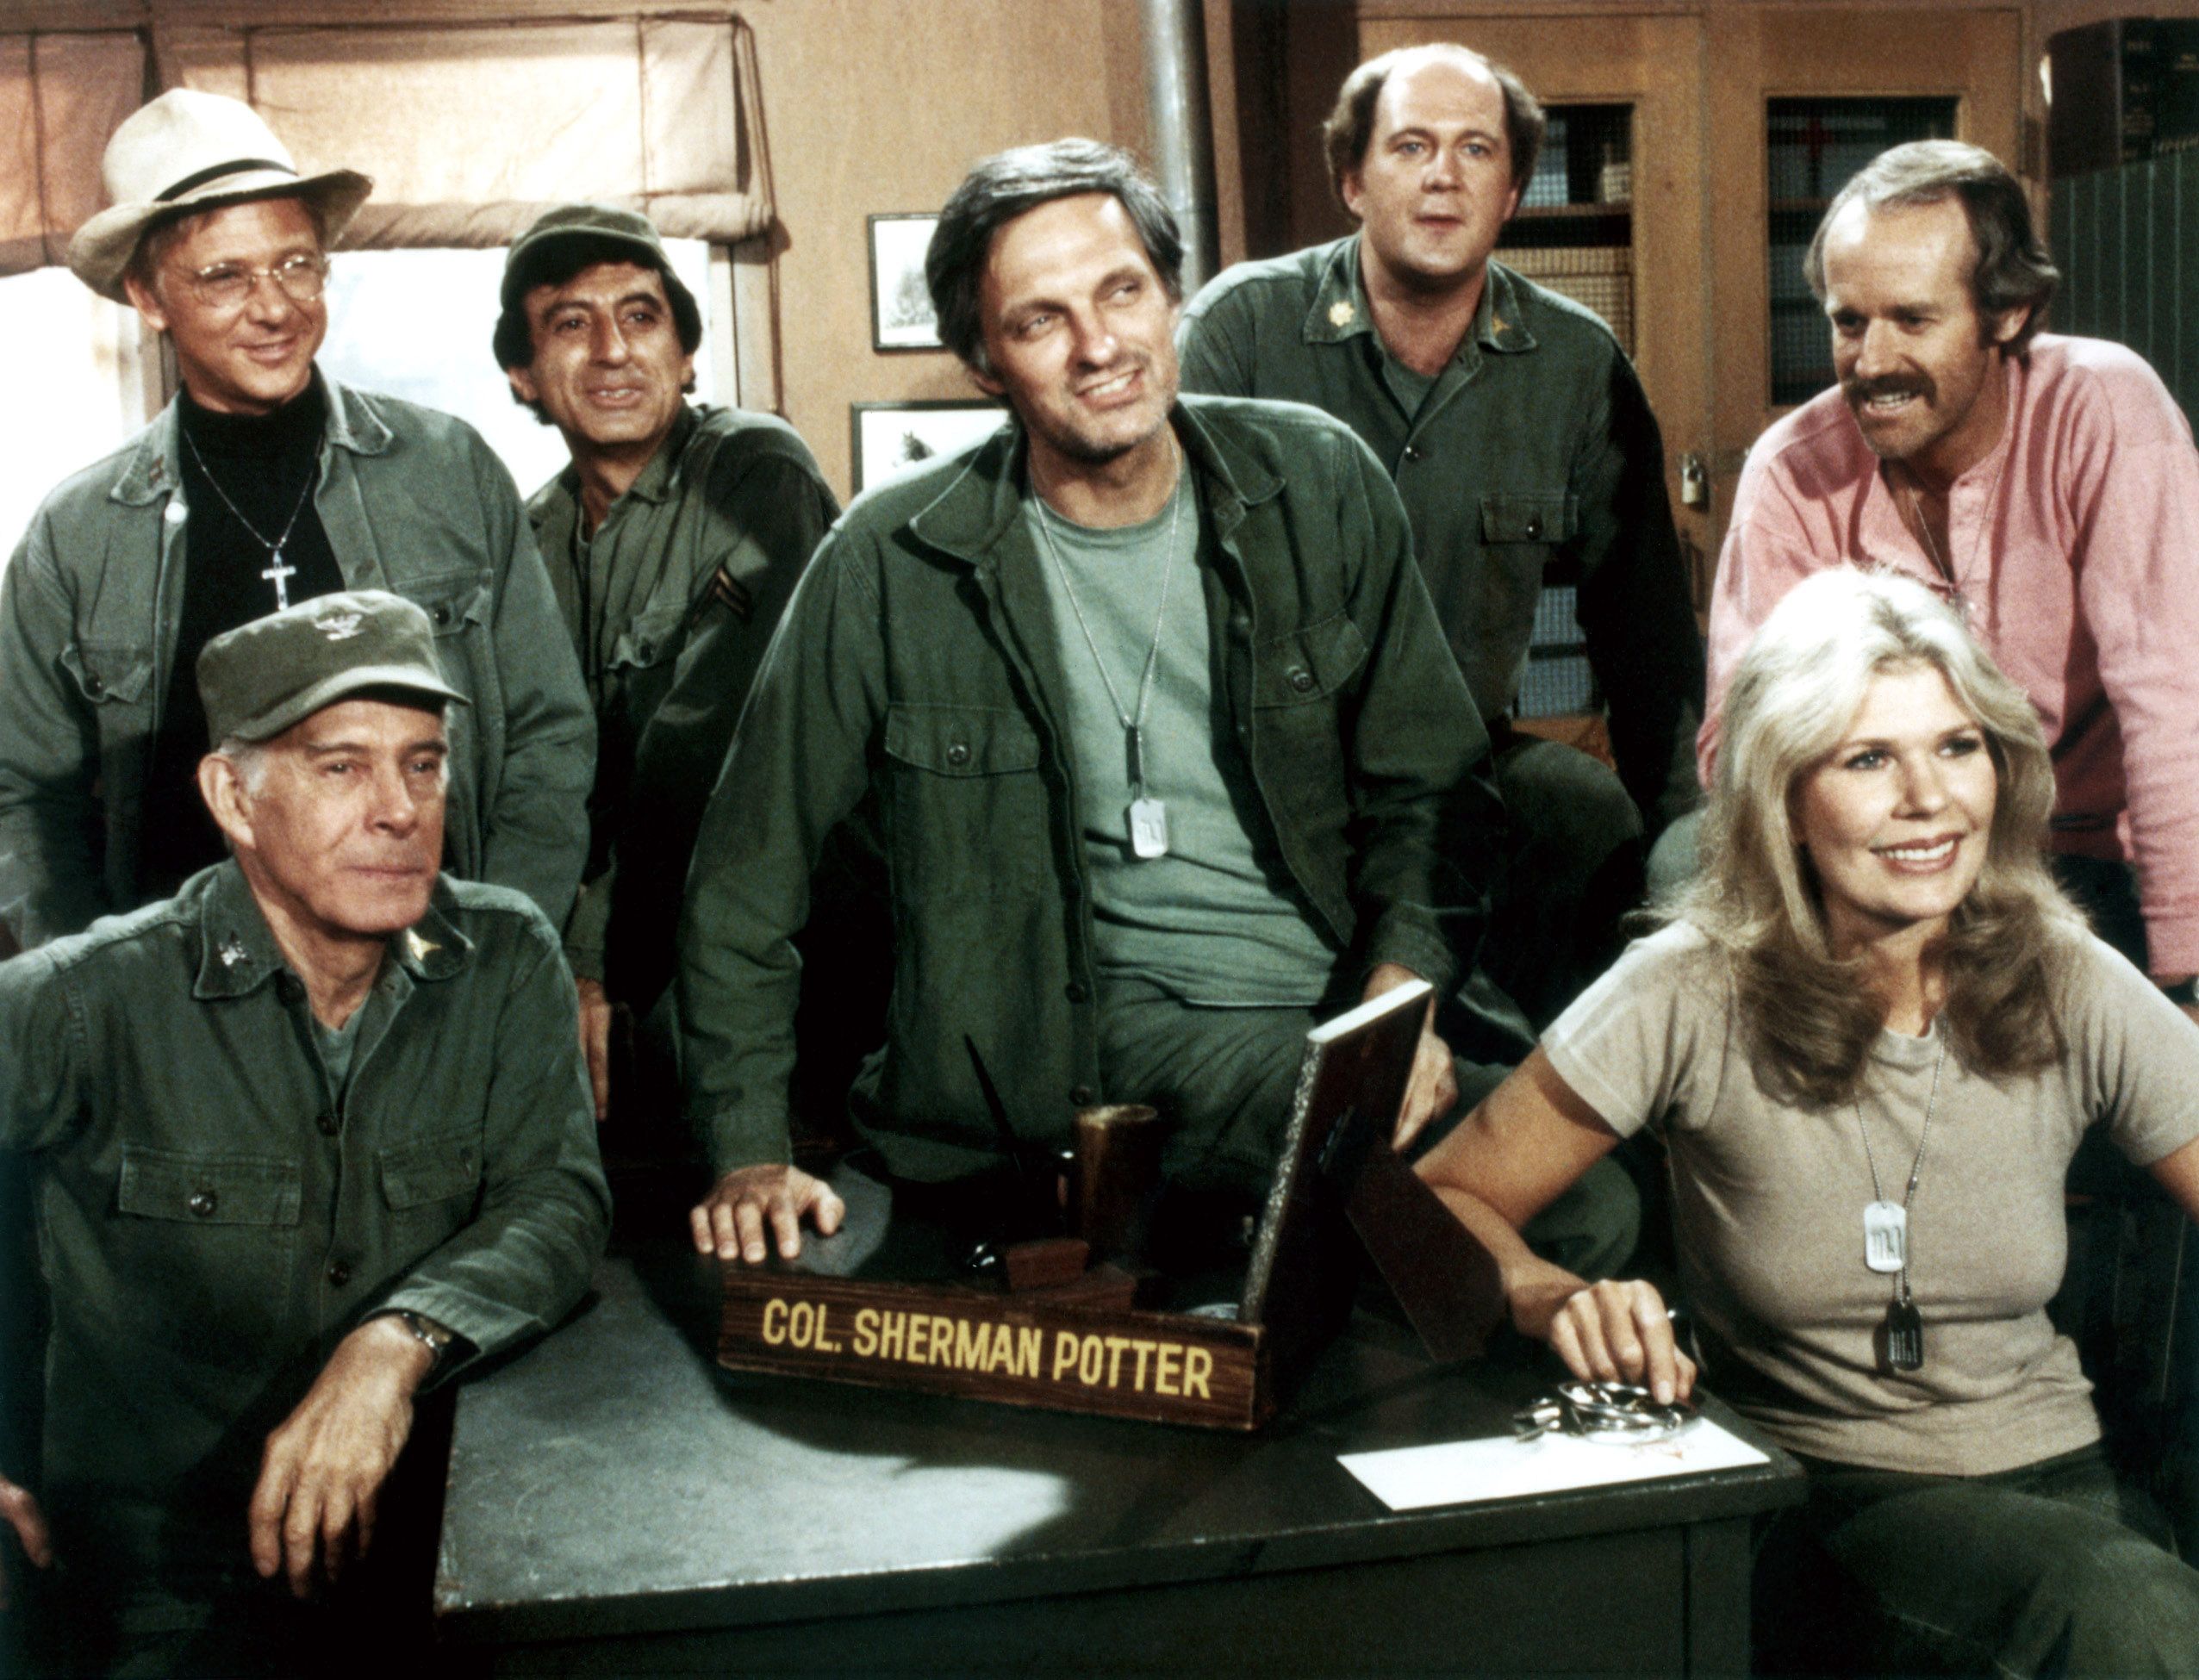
(1075, 991)
(94, 686)
(1301, 679)
(327, 1122)
(647, 651)
(1413, 451)
(339, 1272)
(1534, 527)
(204, 1203)
(443, 614)
(958, 753)
(1081, 1094)
(289, 987)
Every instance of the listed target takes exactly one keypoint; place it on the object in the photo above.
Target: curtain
(61, 95)
(470, 129)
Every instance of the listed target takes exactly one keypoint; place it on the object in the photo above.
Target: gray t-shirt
(1768, 1204)
(1209, 922)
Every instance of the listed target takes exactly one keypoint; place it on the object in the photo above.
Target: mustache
(1909, 384)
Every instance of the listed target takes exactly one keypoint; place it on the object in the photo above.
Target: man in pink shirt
(2048, 485)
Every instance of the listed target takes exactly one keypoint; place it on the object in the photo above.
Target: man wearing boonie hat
(266, 483)
(672, 542)
(308, 1135)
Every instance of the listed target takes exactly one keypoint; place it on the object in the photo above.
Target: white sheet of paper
(1457, 1472)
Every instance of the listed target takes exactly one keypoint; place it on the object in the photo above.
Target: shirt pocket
(211, 1241)
(430, 1188)
(458, 607)
(1300, 684)
(1547, 518)
(651, 639)
(114, 680)
(966, 811)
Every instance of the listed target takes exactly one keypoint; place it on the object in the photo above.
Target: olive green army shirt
(671, 603)
(213, 1217)
(1532, 457)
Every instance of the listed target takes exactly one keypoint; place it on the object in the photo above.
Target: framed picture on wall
(892, 437)
(900, 304)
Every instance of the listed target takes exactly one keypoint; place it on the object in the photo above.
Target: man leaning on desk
(308, 1135)
(1170, 752)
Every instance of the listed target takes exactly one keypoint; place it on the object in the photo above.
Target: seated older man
(308, 1135)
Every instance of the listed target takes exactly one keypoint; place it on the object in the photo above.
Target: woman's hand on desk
(730, 1221)
(1610, 1332)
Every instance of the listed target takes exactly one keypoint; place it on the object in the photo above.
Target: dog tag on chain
(1885, 1236)
(1149, 828)
(1905, 1336)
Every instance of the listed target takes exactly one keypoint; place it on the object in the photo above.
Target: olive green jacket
(212, 1221)
(670, 604)
(1534, 459)
(413, 502)
(917, 665)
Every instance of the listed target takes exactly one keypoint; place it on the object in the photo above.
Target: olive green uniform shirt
(919, 667)
(1533, 457)
(413, 502)
(213, 1219)
(670, 603)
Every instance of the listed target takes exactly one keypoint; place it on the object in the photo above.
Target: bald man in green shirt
(1525, 453)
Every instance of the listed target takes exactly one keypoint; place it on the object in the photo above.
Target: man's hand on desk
(1433, 1089)
(730, 1221)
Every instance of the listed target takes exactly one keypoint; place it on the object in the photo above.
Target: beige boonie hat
(190, 150)
(258, 679)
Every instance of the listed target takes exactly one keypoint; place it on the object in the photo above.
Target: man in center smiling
(1171, 755)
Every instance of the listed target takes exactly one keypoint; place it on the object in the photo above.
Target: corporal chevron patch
(731, 592)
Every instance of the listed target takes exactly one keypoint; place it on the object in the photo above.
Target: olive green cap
(258, 679)
(603, 222)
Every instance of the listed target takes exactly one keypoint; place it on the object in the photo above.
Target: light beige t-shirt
(1768, 1204)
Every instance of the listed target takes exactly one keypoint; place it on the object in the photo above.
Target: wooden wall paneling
(872, 109)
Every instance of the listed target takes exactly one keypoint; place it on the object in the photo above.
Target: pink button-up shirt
(2075, 547)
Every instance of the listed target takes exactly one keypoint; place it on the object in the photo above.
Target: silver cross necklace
(1147, 817)
(278, 573)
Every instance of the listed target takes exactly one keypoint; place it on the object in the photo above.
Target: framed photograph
(900, 305)
(892, 437)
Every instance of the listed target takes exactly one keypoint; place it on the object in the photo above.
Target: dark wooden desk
(619, 1504)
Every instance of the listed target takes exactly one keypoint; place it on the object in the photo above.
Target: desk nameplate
(1038, 1347)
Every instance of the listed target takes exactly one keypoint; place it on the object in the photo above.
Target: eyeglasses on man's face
(227, 285)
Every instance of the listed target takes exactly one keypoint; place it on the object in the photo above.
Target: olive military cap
(258, 679)
(605, 223)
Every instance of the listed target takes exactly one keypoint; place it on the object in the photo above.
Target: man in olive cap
(265, 483)
(672, 542)
(308, 1136)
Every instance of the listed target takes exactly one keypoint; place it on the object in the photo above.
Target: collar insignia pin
(1341, 314)
(1497, 324)
(232, 952)
(339, 626)
(418, 947)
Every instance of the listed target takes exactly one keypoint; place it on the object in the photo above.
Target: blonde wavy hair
(1809, 1018)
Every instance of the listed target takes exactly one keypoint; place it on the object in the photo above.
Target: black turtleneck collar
(284, 433)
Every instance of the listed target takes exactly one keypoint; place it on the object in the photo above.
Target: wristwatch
(428, 1333)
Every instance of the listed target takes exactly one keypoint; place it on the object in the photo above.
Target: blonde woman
(1870, 1040)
